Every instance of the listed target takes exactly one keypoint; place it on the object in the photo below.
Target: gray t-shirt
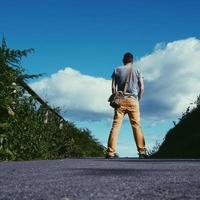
(120, 74)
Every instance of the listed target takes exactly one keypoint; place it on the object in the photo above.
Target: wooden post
(38, 98)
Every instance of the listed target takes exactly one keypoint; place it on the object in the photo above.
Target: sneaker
(111, 156)
(143, 156)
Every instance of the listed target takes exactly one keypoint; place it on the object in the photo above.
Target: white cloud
(171, 73)
(82, 96)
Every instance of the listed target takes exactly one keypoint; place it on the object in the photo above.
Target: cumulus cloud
(82, 96)
(171, 73)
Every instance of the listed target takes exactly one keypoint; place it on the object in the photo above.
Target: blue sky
(91, 37)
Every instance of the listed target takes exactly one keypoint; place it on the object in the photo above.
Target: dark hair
(128, 58)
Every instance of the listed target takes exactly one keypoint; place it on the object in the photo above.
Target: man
(129, 105)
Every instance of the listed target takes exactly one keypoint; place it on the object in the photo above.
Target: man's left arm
(113, 85)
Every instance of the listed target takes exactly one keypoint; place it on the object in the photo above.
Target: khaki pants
(131, 107)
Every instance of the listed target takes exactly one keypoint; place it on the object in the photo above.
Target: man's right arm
(141, 87)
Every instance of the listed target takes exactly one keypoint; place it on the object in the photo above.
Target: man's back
(120, 74)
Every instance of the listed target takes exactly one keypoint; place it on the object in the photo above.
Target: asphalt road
(91, 179)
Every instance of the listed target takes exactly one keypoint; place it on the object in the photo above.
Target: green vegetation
(183, 140)
(28, 130)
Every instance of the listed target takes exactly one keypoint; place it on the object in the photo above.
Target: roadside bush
(29, 130)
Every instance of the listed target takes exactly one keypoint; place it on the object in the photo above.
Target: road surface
(99, 179)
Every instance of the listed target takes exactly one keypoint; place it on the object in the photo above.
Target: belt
(127, 95)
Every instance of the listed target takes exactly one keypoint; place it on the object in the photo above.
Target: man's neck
(128, 64)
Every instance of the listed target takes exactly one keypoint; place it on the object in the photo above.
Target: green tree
(29, 130)
(182, 141)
